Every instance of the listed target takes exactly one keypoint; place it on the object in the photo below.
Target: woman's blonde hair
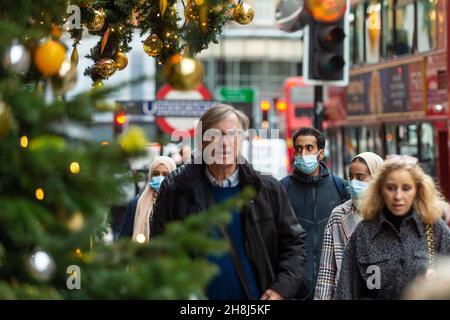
(428, 199)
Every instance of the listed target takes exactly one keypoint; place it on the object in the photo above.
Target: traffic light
(120, 120)
(326, 43)
(265, 106)
(281, 105)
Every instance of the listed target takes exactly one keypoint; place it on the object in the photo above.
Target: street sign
(236, 94)
(242, 98)
(171, 123)
(177, 108)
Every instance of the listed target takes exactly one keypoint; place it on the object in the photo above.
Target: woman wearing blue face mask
(342, 222)
(136, 222)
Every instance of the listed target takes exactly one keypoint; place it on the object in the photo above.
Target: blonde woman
(401, 232)
(343, 220)
(136, 222)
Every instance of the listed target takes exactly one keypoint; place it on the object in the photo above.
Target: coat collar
(192, 180)
(382, 221)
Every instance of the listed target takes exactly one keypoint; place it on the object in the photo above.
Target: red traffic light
(120, 118)
(281, 105)
(326, 11)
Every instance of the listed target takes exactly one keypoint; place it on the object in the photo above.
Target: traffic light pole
(318, 107)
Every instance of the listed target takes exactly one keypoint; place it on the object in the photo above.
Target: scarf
(144, 208)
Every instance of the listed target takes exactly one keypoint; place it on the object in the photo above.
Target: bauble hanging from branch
(243, 13)
(98, 22)
(106, 67)
(17, 58)
(153, 45)
(121, 60)
(49, 57)
(183, 73)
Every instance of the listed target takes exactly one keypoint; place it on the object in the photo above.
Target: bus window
(350, 146)
(427, 151)
(407, 140)
(391, 139)
(334, 142)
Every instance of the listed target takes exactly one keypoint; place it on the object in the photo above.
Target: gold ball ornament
(106, 67)
(183, 73)
(243, 13)
(121, 60)
(98, 22)
(49, 57)
(153, 45)
(6, 120)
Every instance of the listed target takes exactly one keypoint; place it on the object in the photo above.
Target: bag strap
(430, 242)
(339, 183)
(238, 265)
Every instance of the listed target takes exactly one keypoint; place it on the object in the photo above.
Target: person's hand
(270, 294)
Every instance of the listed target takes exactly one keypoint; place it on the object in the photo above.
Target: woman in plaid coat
(342, 222)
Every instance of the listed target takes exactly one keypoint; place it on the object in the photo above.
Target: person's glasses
(404, 158)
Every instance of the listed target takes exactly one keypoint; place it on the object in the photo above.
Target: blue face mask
(155, 182)
(306, 164)
(356, 188)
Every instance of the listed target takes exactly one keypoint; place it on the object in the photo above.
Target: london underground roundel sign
(169, 124)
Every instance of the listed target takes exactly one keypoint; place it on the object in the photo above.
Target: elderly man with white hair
(267, 242)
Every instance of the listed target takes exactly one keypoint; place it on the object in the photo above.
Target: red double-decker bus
(298, 112)
(397, 98)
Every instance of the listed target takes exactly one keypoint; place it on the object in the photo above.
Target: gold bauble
(153, 45)
(106, 67)
(183, 73)
(121, 60)
(98, 23)
(243, 13)
(6, 120)
(49, 57)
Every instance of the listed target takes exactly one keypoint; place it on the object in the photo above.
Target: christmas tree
(57, 185)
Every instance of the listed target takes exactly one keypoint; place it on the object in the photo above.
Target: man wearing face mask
(313, 193)
(136, 222)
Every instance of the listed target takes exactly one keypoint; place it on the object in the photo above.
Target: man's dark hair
(310, 132)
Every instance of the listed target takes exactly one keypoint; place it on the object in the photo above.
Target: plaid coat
(340, 226)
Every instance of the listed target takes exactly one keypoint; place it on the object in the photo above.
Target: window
(408, 140)
(334, 143)
(350, 146)
(388, 29)
(391, 139)
(356, 34)
(426, 25)
(427, 152)
(373, 31)
(404, 27)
